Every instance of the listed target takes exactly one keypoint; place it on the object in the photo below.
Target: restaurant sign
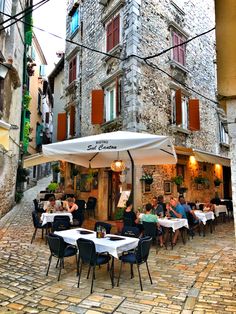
(101, 146)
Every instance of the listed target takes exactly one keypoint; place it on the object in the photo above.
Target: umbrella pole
(132, 169)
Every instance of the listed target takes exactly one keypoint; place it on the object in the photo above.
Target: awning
(36, 159)
(211, 158)
(180, 150)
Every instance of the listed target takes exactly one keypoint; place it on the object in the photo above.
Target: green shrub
(18, 197)
(53, 186)
(119, 213)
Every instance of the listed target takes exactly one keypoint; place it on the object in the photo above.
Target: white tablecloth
(204, 216)
(174, 223)
(114, 248)
(220, 209)
(49, 217)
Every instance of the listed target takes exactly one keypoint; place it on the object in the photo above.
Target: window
(110, 103)
(113, 33)
(72, 69)
(42, 70)
(224, 136)
(74, 24)
(185, 111)
(180, 51)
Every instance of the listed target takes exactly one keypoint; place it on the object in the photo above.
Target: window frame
(107, 97)
(224, 136)
(72, 69)
(184, 110)
(116, 40)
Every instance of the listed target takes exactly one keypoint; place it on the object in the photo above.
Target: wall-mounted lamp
(3, 70)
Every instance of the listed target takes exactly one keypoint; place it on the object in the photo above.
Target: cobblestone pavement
(198, 277)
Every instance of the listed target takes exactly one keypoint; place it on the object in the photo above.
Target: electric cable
(20, 19)
(22, 12)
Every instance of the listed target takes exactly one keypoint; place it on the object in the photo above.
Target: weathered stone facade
(146, 106)
(12, 47)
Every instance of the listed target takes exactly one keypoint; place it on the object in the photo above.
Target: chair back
(190, 218)
(87, 251)
(61, 223)
(36, 221)
(132, 232)
(150, 229)
(36, 204)
(201, 207)
(56, 244)
(79, 216)
(104, 225)
(91, 203)
(142, 250)
(80, 204)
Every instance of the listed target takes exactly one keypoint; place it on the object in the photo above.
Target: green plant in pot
(217, 181)
(178, 180)
(118, 216)
(147, 177)
(52, 187)
(56, 168)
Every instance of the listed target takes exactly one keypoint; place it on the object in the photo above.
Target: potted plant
(178, 180)
(217, 181)
(52, 187)
(118, 216)
(200, 180)
(55, 168)
(147, 177)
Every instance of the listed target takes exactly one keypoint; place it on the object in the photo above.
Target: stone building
(11, 55)
(172, 94)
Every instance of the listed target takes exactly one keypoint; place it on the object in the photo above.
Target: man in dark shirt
(158, 206)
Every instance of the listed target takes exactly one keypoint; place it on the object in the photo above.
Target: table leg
(112, 271)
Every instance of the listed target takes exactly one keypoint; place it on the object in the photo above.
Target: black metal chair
(104, 225)
(132, 232)
(37, 225)
(37, 207)
(78, 218)
(89, 256)
(91, 205)
(192, 224)
(81, 204)
(59, 249)
(137, 257)
(150, 229)
(61, 222)
(48, 195)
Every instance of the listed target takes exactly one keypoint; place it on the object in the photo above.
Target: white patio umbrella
(100, 150)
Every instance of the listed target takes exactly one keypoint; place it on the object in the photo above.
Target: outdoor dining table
(49, 217)
(220, 209)
(204, 217)
(106, 244)
(173, 224)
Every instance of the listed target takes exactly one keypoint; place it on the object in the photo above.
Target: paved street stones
(198, 277)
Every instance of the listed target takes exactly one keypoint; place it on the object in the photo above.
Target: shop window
(72, 69)
(186, 113)
(113, 33)
(179, 53)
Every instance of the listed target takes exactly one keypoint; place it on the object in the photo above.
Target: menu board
(123, 198)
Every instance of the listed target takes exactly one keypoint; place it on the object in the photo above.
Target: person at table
(175, 209)
(209, 206)
(188, 209)
(129, 216)
(149, 217)
(52, 206)
(71, 206)
(158, 206)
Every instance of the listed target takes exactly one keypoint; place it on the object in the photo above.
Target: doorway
(227, 182)
(113, 192)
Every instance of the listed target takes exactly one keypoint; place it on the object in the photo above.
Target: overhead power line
(145, 59)
(27, 11)
(22, 12)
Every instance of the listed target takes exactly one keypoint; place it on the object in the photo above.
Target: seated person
(209, 206)
(149, 217)
(71, 206)
(52, 206)
(129, 216)
(158, 206)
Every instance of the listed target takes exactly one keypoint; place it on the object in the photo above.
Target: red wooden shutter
(74, 69)
(181, 53)
(72, 120)
(117, 96)
(70, 72)
(110, 36)
(176, 49)
(97, 106)
(61, 126)
(116, 30)
(194, 115)
(178, 107)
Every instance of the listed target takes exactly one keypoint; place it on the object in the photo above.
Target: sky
(51, 17)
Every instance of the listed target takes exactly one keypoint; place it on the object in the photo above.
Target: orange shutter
(97, 106)
(178, 107)
(61, 126)
(117, 96)
(72, 120)
(194, 115)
